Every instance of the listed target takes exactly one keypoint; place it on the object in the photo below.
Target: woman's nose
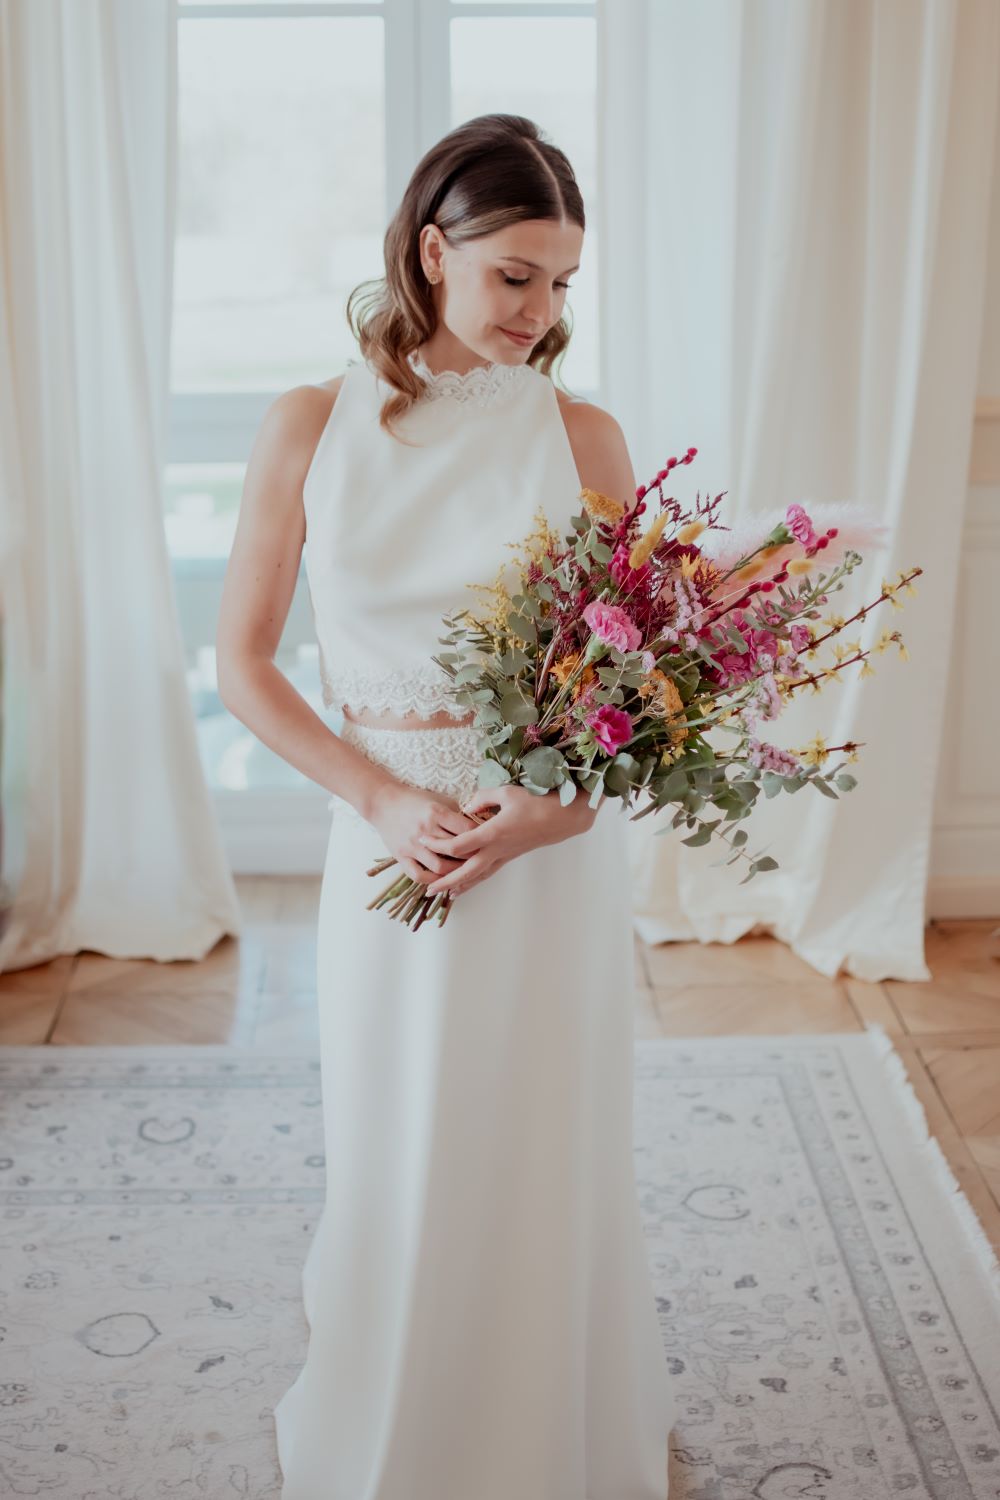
(538, 309)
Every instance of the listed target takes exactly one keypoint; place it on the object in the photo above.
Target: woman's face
(486, 286)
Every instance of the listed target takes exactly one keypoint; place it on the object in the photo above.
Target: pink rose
(611, 624)
(612, 727)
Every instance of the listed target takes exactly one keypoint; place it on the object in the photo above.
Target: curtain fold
(793, 228)
(110, 840)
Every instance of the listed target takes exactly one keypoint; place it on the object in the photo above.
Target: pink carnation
(611, 624)
(623, 574)
(800, 526)
(612, 727)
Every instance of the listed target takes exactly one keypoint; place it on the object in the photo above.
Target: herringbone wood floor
(260, 991)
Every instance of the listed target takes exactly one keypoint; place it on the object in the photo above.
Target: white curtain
(109, 837)
(794, 214)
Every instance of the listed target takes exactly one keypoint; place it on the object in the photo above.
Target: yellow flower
(800, 564)
(601, 507)
(643, 549)
(701, 570)
(690, 531)
(814, 753)
(538, 543)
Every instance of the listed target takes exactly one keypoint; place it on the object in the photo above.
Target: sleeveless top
(396, 533)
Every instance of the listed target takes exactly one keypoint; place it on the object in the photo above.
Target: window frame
(220, 426)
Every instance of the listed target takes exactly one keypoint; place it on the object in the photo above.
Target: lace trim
(479, 386)
(439, 759)
(422, 690)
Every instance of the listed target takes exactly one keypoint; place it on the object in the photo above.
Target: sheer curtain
(109, 838)
(794, 224)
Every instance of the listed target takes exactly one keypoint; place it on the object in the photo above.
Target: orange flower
(561, 668)
(586, 677)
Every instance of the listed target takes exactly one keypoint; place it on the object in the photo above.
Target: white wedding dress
(481, 1312)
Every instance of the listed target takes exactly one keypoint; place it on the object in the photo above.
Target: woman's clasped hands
(522, 821)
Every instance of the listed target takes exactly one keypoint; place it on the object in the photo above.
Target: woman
(482, 1320)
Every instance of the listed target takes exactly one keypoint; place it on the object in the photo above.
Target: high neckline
(480, 385)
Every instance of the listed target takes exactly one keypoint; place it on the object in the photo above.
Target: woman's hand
(524, 820)
(403, 814)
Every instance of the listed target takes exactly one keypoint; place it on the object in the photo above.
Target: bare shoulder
(293, 423)
(599, 448)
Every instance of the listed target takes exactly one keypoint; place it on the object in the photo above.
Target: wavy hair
(489, 172)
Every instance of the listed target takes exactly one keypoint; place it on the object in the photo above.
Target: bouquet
(621, 651)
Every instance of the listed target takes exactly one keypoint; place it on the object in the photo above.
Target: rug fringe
(975, 1234)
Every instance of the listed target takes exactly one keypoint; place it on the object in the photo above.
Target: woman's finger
(457, 845)
(463, 875)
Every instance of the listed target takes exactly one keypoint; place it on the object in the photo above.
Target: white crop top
(394, 533)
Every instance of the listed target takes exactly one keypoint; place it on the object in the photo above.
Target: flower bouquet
(621, 651)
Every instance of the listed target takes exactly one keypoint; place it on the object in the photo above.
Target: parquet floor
(260, 992)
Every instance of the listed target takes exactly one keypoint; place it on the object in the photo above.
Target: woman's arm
(257, 594)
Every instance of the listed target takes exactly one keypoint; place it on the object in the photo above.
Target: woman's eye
(513, 281)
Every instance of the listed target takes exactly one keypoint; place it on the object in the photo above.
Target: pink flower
(611, 624)
(771, 757)
(800, 526)
(648, 660)
(800, 637)
(612, 727)
(624, 575)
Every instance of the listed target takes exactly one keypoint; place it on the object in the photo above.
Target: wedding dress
(482, 1323)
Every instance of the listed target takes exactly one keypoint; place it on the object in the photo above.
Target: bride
(481, 1318)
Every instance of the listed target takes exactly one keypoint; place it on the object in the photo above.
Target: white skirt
(482, 1318)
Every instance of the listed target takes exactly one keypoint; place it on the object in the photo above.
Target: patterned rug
(829, 1304)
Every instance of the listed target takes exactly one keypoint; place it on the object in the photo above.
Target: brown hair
(487, 173)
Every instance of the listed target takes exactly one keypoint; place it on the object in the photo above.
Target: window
(300, 122)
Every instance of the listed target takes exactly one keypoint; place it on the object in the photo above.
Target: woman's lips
(519, 338)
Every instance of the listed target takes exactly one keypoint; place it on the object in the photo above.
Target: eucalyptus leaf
(492, 774)
(518, 710)
(519, 627)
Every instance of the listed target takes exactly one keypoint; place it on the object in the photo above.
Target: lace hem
(422, 690)
(440, 759)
